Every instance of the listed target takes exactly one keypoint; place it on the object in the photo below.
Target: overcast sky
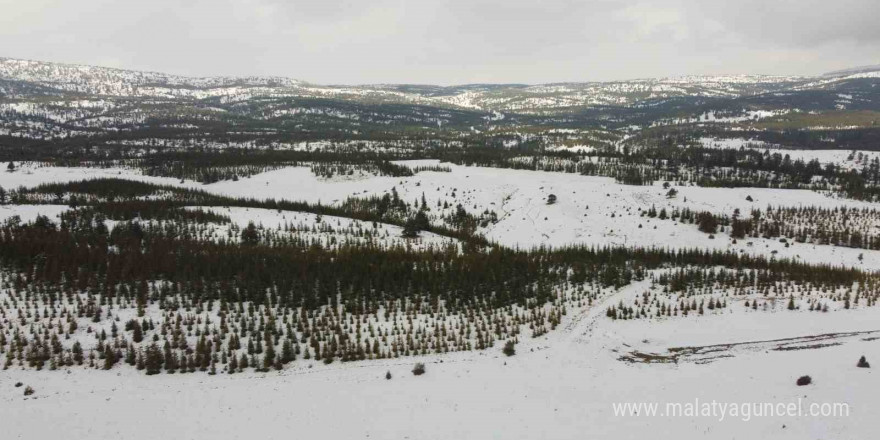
(447, 41)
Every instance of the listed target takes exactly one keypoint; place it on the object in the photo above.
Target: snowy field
(560, 386)
(589, 210)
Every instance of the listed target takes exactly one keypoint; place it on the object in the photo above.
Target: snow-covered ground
(330, 231)
(29, 212)
(563, 385)
(568, 380)
(589, 210)
(848, 159)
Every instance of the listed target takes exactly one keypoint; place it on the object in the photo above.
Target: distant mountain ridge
(854, 70)
(52, 101)
(69, 79)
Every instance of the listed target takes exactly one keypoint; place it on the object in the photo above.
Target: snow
(710, 142)
(559, 386)
(529, 99)
(597, 211)
(30, 175)
(838, 157)
(590, 210)
(277, 221)
(28, 213)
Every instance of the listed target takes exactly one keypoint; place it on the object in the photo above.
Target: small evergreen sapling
(419, 369)
(509, 349)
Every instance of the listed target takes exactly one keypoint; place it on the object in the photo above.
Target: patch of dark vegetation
(509, 348)
(805, 347)
(418, 369)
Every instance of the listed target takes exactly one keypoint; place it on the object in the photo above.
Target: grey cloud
(800, 23)
(447, 41)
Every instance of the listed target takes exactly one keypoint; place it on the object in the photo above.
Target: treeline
(78, 253)
(838, 226)
(388, 208)
(695, 290)
(328, 170)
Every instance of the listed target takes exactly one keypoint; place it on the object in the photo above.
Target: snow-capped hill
(541, 98)
(36, 98)
(855, 71)
(105, 81)
(119, 82)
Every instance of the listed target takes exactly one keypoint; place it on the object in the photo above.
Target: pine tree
(233, 364)
(170, 360)
(269, 356)
(287, 353)
(509, 349)
(77, 353)
(130, 355)
(153, 359)
(137, 334)
(109, 357)
(250, 236)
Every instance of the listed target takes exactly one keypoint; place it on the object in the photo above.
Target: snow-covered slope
(509, 98)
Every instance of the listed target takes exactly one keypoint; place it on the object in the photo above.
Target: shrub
(863, 363)
(419, 369)
(804, 380)
(509, 349)
(28, 391)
